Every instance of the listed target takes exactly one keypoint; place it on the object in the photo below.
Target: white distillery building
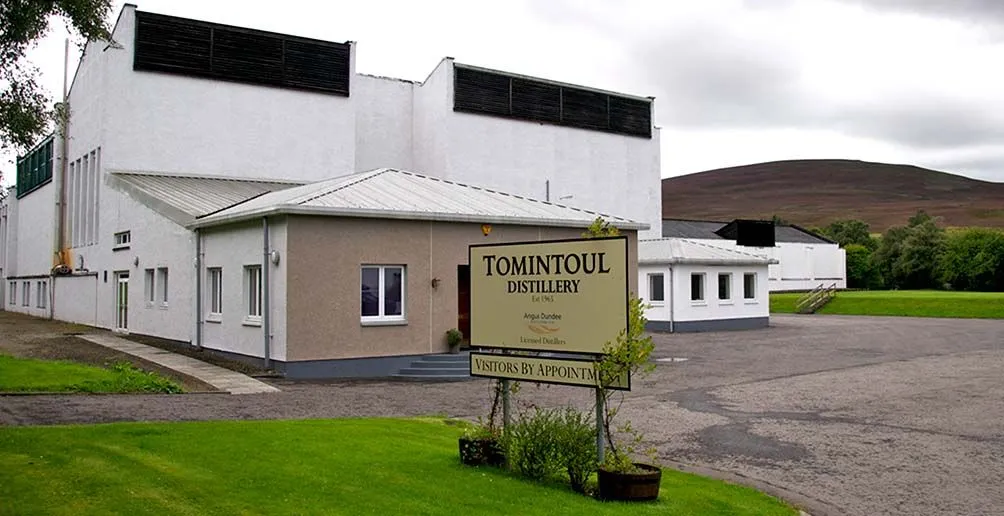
(178, 122)
(802, 260)
(692, 286)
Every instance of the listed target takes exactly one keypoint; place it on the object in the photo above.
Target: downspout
(265, 288)
(65, 146)
(672, 295)
(198, 289)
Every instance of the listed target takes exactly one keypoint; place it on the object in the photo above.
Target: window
(26, 293)
(724, 286)
(252, 293)
(148, 291)
(34, 169)
(749, 285)
(697, 287)
(12, 298)
(82, 184)
(162, 285)
(42, 295)
(382, 293)
(122, 240)
(215, 294)
(656, 288)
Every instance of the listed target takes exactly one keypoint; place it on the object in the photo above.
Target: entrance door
(122, 301)
(464, 301)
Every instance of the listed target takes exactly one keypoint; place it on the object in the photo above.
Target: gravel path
(852, 415)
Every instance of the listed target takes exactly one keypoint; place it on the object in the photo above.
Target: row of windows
(657, 287)
(253, 294)
(155, 287)
(41, 293)
(82, 186)
(34, 169)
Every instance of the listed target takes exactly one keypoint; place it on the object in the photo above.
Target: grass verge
(33, 375)
(916, 303)
(344, 466)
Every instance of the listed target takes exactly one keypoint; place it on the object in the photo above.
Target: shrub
(577, 437)
(533, 445)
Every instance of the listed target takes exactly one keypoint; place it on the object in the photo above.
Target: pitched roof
(398, 194)
(183, 198)
(690, 252)
(706, 230)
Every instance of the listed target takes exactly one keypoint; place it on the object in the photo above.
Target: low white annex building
(178, 124)
(693, 286)
(802, 260)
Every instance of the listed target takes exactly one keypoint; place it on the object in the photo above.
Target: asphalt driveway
(847, 415)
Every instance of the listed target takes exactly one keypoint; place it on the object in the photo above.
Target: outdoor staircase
(438, 368)
(817, 298)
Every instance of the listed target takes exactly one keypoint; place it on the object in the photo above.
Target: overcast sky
(735, 81)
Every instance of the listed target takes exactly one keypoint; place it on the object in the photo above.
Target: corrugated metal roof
(701, 229)
(683, 251)
(186, 198)
(796, 234)
(398, 194)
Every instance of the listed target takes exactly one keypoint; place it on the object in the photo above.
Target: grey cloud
(988, 165)
(975, 11)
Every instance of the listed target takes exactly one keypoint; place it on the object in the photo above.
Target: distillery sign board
(566, 296)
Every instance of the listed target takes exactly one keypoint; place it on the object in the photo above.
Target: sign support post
(600, 441)
(506, 414)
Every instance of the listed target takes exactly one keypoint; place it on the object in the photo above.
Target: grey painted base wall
(371, 367)
(746, 323)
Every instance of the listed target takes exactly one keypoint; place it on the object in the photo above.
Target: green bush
(533, 445)
(577, 437)
(130, 379)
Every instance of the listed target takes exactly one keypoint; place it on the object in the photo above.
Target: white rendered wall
(658, 310)
(383, 122)
(679, 307)
(800, 266)
(231, 248)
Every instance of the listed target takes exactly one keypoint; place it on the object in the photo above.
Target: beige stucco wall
(324, 259)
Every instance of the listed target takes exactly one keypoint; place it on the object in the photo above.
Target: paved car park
(848, 415)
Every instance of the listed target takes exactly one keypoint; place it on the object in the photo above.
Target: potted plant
(620, 476)
(453, 338)
(481, 444)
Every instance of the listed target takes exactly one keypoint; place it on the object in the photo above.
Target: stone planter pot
(640, 485)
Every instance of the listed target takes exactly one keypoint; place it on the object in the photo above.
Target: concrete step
(464, 357)
(443, 371)
(439, 378)
(441, 364)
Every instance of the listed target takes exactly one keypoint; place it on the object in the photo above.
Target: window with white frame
(382, 293)
(12, 298)
(162, 286)
(42, 294)
(656, 288)
(122, 240)
(697, 287)
(148, 282)
(26, 293)
(724, 287)
(215, 284)
(252, 293)
(749, 285)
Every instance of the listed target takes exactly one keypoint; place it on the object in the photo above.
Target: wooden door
(464, 301)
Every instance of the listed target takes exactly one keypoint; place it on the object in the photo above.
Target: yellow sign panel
(563, 371)
(567, 296)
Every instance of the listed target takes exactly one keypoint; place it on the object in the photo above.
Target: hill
(813, 193)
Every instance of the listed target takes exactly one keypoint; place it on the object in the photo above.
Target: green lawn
(345, 466)
(31, 375)
(919, 303)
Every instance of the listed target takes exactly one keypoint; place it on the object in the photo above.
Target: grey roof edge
(116, 182)
(812, 233)
(296, 209)
(704, 261)
(152, 173)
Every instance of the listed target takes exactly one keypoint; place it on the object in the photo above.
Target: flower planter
(639, 485)
(480, 451)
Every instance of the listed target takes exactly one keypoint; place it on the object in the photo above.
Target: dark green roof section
(34, 169)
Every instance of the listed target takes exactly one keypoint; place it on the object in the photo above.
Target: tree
(907, 256)
(26, 111)
(850, 231)
(973, 259)
(861, 269)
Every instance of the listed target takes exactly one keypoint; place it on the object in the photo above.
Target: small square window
(656, 288)
(26, 293)
(122, 240)
(215, 293)
(12, 298)
(383, 293)
(148, 283)
(749, 285)
(724, 287)
(42, 294)
(697, 287)
(252, 294)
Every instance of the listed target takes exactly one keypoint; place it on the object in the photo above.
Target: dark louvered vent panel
(481, 92)
(189, 47)
(499, 94)
(582, 108)
(536, 100)
(630, 116)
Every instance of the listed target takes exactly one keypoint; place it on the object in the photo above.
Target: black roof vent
(209, 50)
(750, 233)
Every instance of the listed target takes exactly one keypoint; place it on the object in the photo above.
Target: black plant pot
(640, 485)
(480, 451)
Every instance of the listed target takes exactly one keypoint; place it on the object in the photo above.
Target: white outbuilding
(693, 286)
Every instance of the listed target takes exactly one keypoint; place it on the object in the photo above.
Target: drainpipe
(198, 289)
(265, 288)
(672, 294)
(65, 146)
